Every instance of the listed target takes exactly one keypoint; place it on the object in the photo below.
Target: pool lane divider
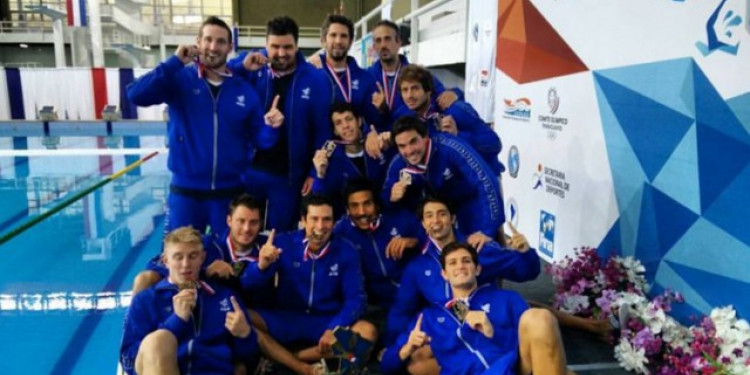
(37, 219)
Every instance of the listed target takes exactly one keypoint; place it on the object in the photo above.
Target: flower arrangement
(587, 287)
(650, 342)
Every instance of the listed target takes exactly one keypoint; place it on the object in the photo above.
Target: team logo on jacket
(441, 319)
(295, 264)
(355, 84)
(394, 232)
(428, 273)
(334, 270)
(447, 174)
(196, 91)
(486, 308)
(224, 305)
(306, 93)
(241, 100)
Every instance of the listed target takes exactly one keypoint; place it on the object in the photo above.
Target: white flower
(675, 334)
(630, 358)
(654, 318)
(574, 303)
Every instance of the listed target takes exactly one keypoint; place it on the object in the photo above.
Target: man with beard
(421, 284)
(385, 241)
(320, 285)
(214, 119)
(443, 165)
(458, 119)
(343, 158)
(282, 77)
(351, 84)
(386, 42)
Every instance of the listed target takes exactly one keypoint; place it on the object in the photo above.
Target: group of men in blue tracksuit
(258, 140)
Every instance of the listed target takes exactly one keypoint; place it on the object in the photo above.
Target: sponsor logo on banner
(512, 211)
(514, 161)
(536, 178)
(519, 109)
(552, 181)
(724, 29)
(547, 233)
(553, 124)
(484, 77)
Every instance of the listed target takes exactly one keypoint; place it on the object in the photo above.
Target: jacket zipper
(312, 286)
(216, 134)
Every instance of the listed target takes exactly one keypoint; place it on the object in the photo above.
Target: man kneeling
(182, 324)
(483, 330)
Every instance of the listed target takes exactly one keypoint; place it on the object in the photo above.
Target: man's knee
(144, 280)
(157, 347)
(538, 325)
(367, 330)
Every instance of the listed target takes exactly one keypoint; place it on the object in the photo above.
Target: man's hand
(184, 302)
(220, 268)
(274, 117)
(373, 143)
(477, 240)
(448, 125)
(315, 61)
(268, 253)
(320, 161)
(236, 321)
(186, 54)
(254, 61)
(326, 342)
(398, 190)
(446, 99)
(417, 339)
(307, 186)
(517, 240)
(379, 99)
(397, 245)
(478, 321)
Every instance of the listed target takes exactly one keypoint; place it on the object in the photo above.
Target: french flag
(76, 12)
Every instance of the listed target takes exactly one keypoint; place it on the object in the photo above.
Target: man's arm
(157, 86)
(473, 130)
(499, 262)
(138, 324)
(489, 203)
(353, 287)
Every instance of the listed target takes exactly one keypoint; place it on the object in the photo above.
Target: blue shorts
(288, 327)
(198, 212)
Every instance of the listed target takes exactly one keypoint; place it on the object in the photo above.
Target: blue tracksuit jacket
(306, 110)
(341, 169)
(209, 138)
(217, 248)
(471, 128)
(382, 275)
(332, 284)
(458, 174)
(204, 344)
(362, 88)
(422, 284)
(461, 350)
(376, 70)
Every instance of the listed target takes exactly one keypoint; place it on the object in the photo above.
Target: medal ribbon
(347, 97)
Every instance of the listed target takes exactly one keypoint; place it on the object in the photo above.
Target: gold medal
(188, 285)
(238, 268)
(460, 308)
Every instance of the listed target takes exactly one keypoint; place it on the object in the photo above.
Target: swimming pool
(65, 282)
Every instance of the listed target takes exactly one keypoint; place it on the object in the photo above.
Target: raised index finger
(269, 241)
(513, 229)
(418, 326)
(275, 102)
(235, 304)
(380, 87)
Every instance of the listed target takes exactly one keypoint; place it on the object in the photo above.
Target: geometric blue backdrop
(680, 161)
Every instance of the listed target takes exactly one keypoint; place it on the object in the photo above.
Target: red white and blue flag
(76, 12)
